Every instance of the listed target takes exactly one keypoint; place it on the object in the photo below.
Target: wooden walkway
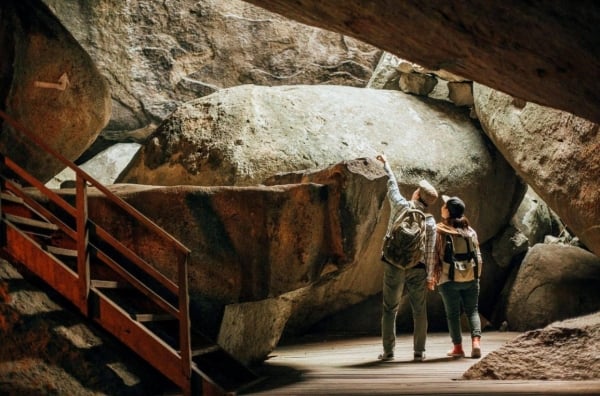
(350, 367)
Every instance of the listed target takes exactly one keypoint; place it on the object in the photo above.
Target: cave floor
(337, 365)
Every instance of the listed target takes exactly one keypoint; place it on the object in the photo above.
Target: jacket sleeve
(430, 248)
(393, 191)
(477, 251)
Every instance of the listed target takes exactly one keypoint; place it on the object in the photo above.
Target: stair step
(150, 317)
(207, 349)
(11, 198)
(61, 251)
(201, 344)
(224, 371)
(31, 222)
(107, 284)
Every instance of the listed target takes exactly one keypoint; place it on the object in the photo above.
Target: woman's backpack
(460, 258)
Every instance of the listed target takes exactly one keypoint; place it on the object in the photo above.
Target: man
(417, 279)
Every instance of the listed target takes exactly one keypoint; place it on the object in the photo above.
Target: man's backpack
(460, 258)
(404, 244)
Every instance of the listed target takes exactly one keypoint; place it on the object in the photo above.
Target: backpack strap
(449, 255)
(473, 255)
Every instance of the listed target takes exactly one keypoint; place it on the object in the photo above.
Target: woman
(458, 268)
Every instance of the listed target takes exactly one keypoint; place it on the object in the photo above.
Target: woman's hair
(460, 222)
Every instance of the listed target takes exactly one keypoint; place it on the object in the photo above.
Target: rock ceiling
(544, 52)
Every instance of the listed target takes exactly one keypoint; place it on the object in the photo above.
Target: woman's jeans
(455, 294)
(394, 280)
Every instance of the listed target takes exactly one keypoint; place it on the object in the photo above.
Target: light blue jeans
(394, 280)
(455, 294)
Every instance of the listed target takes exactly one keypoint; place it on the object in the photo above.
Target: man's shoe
(386, 356)
(457, 351)
(419, 357)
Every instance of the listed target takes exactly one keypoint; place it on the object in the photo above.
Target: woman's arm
(477, 251)
(430, 252)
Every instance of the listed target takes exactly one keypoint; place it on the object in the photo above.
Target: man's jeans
(453, 295)
(394, 280)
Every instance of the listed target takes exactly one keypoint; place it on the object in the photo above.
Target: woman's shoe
(457, 351)
(476, 348)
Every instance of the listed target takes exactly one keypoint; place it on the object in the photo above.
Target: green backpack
(404, 244)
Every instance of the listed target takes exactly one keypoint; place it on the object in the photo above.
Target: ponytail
(461, 222)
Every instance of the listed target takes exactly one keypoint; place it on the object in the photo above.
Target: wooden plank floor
(349, 366)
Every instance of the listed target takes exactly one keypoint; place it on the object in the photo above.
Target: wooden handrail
(83, 254)
(102, 233)
(138, 284)
(107, 237)
(80, 173)
(184, 333)
(23, 174)
(10, 186)
(134, 258)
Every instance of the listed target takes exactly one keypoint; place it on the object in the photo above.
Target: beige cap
(427, 192)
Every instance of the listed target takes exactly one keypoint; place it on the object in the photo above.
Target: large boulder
(554, 282)
(535, 219)
(293, 252)
(105, 166)
(255, 243)
(50, 85)
(246, 134)
(158, 55)
(556, 153)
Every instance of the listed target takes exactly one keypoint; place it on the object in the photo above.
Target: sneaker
(419, 357)
(476, 348)
(386, 356)
(456, 352)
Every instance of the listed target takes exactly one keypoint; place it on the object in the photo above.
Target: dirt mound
(566, 350)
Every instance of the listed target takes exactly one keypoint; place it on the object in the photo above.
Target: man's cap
(455, 206)
(427, 192)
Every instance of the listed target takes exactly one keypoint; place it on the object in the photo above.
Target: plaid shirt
(397, 203)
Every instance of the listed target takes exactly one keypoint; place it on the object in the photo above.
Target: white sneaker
(419, 357)
(386, 356)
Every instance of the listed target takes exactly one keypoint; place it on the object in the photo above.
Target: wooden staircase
(107, 281)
